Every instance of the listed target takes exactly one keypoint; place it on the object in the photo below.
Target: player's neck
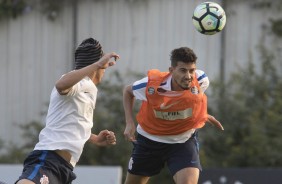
(176, 87)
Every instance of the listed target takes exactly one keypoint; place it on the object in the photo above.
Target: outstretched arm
(65, 83)
(215, 122)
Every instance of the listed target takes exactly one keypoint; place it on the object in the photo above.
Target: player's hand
(129, 132)
(104, 138)
(215, 122)
(106, 61)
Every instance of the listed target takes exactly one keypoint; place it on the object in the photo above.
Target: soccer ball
(209, 18)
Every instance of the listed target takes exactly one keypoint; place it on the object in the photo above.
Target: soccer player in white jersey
(173, 108)
(70, 119)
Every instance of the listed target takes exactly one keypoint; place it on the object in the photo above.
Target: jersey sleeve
(202, 79)
(139, 89)
(73, 90)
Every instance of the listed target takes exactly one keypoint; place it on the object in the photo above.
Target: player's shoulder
(202, 79)
(200, 72)
(140, 83)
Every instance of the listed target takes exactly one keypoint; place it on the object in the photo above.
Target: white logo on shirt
(163, 106)
(171, 116)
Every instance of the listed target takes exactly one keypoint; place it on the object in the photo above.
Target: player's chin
(185, 86)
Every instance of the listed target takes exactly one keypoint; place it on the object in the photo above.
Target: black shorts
(149, 157)
(43, 165)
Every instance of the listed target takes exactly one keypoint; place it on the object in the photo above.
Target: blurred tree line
(16, 8)
(249, 106)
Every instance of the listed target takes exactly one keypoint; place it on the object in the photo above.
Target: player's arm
(104, 138)
(64, 84)
(204, 84)
(215, 122)
(128, 102)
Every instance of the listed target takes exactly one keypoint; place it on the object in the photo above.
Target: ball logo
(211, 6)
(216, 8)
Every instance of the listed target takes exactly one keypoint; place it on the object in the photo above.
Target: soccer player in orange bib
(173, 108)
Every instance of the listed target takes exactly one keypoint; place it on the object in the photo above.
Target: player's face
(182, 75)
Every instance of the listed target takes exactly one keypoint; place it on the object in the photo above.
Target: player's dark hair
(183, 54)
(88, 52)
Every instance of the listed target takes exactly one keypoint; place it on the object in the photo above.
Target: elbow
(60, 87)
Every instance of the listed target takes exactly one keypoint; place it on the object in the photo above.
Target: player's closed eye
(192, 71)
